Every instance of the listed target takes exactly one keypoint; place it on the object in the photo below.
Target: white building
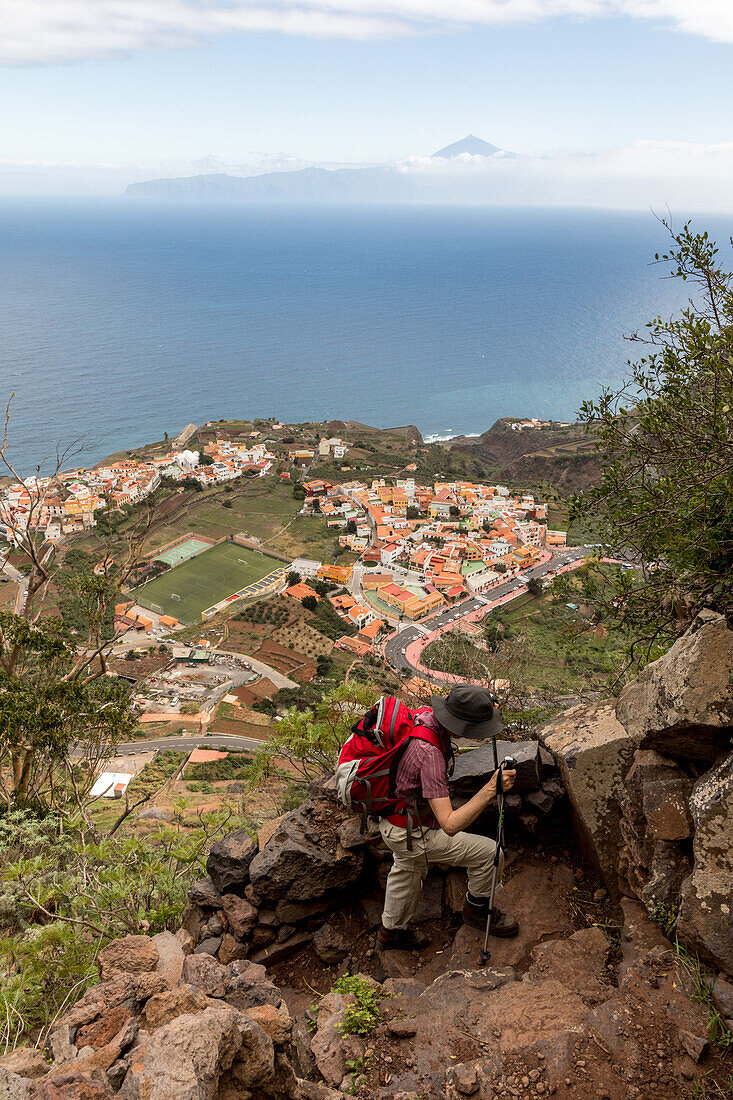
(307, 568)
(187, 460)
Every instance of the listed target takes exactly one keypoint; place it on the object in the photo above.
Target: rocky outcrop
(304, 860)
(473, 768)
(682, 704)
(706, 905)
(230, 860)
(655, 854)
(223, 1035)
(593, 752)
(649, 782)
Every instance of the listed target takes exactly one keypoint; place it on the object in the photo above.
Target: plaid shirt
(422, 772)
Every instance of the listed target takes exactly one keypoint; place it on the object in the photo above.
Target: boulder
(267, 830)
(229, 861)
(205, 973)
(276, 952)
(330, 945)
(61, 1045)
(103, 1030)
(292, 912)
(73, 1085)
(593, 753)
(240, 915)
(231, 949)
(682, 703)
(186, 1059)
(13, 1087)
(25, 1062)
(647, 767)
(668, 867)
(130, 955)
(474, 768)
(300, 863)
(705, 920)
(147, 984)
(247, 986)
(208, 946)
(101, 998)
(274, 1020)
(204, 894)
(722, 994)
(170, 958)
(167, 1006)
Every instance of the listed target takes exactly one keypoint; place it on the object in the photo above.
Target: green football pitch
(183, 551)
(203, 580)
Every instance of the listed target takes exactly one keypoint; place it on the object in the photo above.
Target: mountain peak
(469, 144)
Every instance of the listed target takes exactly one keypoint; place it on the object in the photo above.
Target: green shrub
(65, 892)
(363, 1012)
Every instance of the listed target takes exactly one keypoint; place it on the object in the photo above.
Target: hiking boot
(402, 939)
(502, 924)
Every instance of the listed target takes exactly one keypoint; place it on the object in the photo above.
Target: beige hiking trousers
(404, 884)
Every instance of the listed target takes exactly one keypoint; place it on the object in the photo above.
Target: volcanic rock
(229, 861)
(705, 920)
(682, 703)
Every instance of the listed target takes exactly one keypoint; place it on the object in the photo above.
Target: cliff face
(561, 456)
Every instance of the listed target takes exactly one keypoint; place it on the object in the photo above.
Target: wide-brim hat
(468, 711)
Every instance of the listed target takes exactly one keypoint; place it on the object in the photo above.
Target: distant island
(380, 183)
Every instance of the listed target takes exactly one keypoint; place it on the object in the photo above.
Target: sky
(98, 93)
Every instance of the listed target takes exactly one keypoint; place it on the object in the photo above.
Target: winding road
(397, 648)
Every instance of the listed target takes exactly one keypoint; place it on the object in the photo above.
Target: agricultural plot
(203, 580)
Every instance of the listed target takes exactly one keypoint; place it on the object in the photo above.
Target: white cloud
(57, 31)
(687, 177)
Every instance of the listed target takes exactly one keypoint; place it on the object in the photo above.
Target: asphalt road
(184, 744)
(395, 648)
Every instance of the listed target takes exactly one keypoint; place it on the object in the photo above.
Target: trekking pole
(507, 762)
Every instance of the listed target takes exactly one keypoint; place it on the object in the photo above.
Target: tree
(205, 459)
(310, 603)
(499, 567)
(293, 578)
(534, 586)
(60, 714)
(413, 512)
(351, 526)
(311, 738)
(454, 510)
(665, 441)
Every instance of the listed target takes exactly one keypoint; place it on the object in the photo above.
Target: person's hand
(508, 779)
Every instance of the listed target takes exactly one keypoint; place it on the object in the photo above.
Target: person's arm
(453, 821)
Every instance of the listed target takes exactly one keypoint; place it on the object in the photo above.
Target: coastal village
(408, 551)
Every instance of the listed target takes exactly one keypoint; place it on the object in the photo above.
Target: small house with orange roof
(370, 631)
(300, 591)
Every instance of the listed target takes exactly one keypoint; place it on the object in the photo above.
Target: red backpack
(367, 767)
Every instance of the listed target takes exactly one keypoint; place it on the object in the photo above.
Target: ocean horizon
(122, 321)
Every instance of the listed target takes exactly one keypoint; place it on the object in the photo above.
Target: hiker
(438, 839)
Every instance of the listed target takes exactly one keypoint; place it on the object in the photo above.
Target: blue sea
(119, 321)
